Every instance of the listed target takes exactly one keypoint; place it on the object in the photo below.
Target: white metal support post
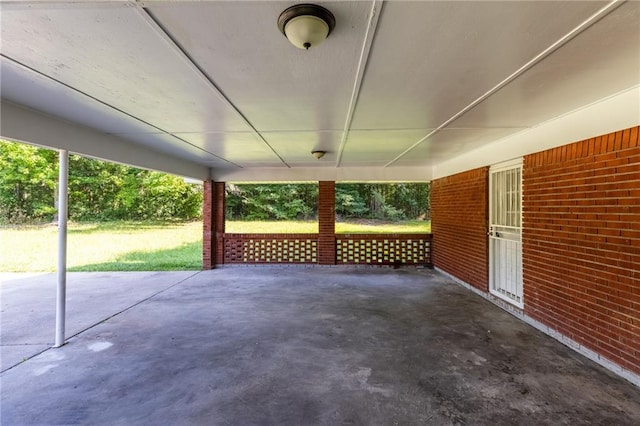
(61, 294)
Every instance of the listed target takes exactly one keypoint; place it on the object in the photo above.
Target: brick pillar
(219, 219)
(212, 224)
(207, 225)
(327, 223)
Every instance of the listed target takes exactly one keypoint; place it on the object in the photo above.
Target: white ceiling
(213, 88)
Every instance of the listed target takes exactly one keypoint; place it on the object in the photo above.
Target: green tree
(101, 190)
(163, 196)
(353, 200)
(272, 201)
(98, 190)
(93, 188)
(349, 201)
(28, 177)
(387, 201)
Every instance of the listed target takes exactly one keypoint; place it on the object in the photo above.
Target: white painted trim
(314, 174)
(607, 115)
(518, 313)
(34, 127)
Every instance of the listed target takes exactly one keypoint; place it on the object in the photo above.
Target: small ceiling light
(306, 25)
(318, 154)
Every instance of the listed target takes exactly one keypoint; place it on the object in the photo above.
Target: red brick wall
(459, 225)
(326, 222)
(581, 243)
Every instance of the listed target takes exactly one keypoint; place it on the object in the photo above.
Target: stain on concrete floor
(334, 346)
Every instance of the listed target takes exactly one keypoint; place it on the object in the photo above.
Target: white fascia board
(611, 114)
(315, 174)
(33, 127)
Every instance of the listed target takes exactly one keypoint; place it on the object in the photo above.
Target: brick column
(326, 223)
(207, 225)
(212, 224)
(219, 218)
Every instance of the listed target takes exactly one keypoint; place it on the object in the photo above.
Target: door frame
(506, 165)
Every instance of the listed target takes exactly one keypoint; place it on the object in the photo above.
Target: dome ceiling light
(318, 154)
(306, 25)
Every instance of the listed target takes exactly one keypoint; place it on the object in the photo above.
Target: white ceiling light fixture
(318, 154)
(306, 25)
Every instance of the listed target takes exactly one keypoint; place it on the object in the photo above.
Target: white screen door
(505, 232)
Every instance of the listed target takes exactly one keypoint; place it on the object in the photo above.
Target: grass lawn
(142, 246)
(110, 246)
(311, 227)
(375, 227)
(270, 227)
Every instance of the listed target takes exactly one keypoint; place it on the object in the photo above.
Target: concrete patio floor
(289, 346)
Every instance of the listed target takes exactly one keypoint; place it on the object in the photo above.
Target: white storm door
(505, 232)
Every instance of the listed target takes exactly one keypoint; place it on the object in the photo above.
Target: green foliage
(98, 190)
(151, 195)
(349, 203)
(93, 187)
(271, 201)
(106, 191)
(393, 202)
(27, 182)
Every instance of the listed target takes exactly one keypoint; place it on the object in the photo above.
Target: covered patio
(292, 346)
(523, 116)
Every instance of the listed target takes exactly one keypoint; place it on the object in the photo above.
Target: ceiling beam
(374, 16)
(34, 127)
(601, 13)
(201, 74)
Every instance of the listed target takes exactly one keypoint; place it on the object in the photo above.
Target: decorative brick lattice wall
(270, 248)
(380, 249)
(366, 249)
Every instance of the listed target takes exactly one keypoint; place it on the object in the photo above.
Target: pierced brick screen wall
(581, 243)
(459, 226)
(383, 249)
(270, 248)
(351, 249)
